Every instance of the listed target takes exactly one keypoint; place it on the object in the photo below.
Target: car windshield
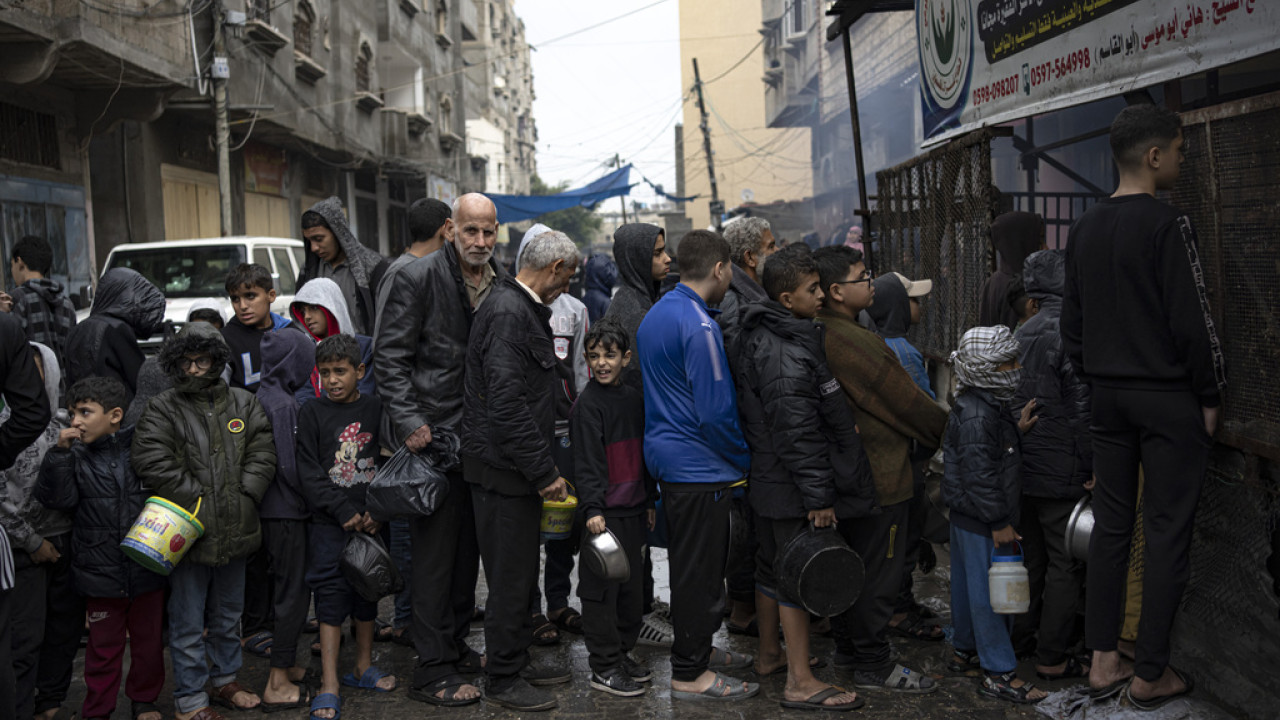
(183, 270)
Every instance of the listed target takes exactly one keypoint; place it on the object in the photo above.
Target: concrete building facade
(754, 162)
(499, 97)
(109, 130)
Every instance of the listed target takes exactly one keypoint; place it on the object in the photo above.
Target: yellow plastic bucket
(557, 518)
(162, 534)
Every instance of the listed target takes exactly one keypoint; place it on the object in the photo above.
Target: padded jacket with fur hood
(367, 265)
(1057, 452)
(805, 450)
(202, 440)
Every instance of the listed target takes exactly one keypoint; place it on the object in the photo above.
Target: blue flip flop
(368, 681)
(327, 701)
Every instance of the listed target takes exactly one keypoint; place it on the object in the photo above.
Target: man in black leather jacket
(420, 347)
(508, 426)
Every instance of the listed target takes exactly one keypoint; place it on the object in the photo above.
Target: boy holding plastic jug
(202, 441)
(616, 493)
(87, 473)
(982, 486)
(338, 453)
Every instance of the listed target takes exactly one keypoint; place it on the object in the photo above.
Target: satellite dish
(748, 195)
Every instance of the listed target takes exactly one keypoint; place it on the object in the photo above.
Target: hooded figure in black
(358, 274)
(127, 308)
(633, 246)
(1015, 235)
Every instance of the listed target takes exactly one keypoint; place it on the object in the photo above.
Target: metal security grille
(27, 136)
(1230, 187)
(933, 220)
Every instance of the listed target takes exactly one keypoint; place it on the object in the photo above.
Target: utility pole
(717, 208)
(863, 209)
(617, 163)
(222, 130)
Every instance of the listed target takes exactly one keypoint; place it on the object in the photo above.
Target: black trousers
(8, 692)
(1057, 580)
(47, 615)
(698, 526)
(507, 527)
(1164, 433)
(446, 564)
(259, 591)
(557, 575)
(285, 544)
(861, 631)
(742, 583)
(906, 601)
(612, 613)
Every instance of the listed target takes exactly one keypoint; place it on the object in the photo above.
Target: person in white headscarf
(982, 486)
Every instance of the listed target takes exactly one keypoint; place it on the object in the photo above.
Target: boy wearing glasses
(203, 441)
(891, 411)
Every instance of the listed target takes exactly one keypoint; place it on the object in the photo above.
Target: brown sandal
(225, 696)
(207, 713)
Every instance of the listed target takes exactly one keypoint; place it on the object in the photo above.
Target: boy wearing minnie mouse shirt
(338, 451)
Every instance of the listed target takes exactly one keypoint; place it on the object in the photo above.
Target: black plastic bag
(366, 564)
(413, 484)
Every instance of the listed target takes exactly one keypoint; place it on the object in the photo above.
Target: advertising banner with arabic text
(984, 62)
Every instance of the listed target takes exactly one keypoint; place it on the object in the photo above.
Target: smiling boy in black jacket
(615, 491)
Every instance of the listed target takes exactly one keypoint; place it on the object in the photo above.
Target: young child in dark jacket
(1057, 466)
(338, 451)
(251, 292)
(983, 487)
(615, 492)
(807, 463)
(88, 474)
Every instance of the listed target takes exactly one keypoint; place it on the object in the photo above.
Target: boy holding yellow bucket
(203, 441)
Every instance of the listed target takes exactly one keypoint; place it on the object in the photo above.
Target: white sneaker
(656, 632)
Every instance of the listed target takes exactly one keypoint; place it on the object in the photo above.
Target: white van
(188, 271)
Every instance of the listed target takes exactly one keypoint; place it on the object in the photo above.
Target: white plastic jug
(1008, 583)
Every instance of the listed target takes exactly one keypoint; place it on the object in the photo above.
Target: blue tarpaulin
(514, 208)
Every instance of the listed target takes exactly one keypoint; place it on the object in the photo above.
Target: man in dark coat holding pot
(508, 425)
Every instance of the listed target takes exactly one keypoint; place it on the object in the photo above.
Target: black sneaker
(615, 681)
(637, 670)
(523, 697)
(539, 676)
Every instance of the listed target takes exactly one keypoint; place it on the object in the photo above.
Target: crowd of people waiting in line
(777, 384)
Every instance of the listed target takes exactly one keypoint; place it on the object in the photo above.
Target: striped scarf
(981, 351)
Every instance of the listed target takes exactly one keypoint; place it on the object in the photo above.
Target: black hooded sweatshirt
(891, 311)
(127, 309)
(366, 265)
(637, 290)
(1015, 235)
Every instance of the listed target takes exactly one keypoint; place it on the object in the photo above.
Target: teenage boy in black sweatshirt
(251, 292)
(616, 492)
(338, 452)
(1136, 324)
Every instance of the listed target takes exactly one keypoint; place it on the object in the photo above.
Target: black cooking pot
(739, 540)
(819, 570)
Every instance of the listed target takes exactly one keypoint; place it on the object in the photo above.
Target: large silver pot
(1079, 528)
(604, 554)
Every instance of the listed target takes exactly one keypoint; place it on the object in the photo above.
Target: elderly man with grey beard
(420, 343)
(508, 428)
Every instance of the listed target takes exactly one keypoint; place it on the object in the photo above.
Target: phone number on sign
(995, 90)
(1060, 67)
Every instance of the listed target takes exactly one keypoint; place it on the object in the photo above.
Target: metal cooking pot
(739, 540)
(605, 556)
(821, 571)
(1079, 528)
